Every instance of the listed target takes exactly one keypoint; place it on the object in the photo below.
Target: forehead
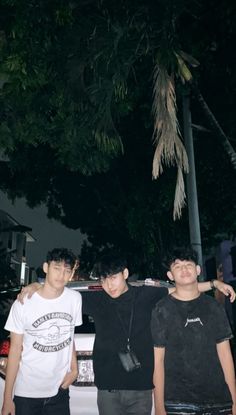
(116, 275)
(182, 262)
(61, 263)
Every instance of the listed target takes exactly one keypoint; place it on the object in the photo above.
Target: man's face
(115, 284)
(58, 274)
(184, 272)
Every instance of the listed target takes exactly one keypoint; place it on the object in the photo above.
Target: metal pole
(193, 212)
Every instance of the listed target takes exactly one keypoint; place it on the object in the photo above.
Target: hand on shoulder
(28, 291)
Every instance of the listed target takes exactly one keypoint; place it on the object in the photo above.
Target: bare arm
(71, 376)
(226, 289)
(159, 380)
(13, 361)
(226, 361)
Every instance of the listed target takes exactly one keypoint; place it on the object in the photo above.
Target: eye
(177, 267)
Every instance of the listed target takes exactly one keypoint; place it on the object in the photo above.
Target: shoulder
(163, 303)
(209, 300)
(28, 304)
(18, 311)
(155, 293)
(211, 304)
(151, 290)
(94, 295)
(72, 294)
(164, 308)
(92, 300)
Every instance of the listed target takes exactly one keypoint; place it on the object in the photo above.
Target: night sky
(48, 233)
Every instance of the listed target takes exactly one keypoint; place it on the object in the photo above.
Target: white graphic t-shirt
(48, 329)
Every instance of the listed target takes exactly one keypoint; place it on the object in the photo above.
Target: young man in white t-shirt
(42, 361)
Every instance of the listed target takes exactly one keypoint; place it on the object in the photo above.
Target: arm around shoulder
(28, 291)
(226, 289)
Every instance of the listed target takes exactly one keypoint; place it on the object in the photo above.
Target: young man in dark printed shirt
(194, 370)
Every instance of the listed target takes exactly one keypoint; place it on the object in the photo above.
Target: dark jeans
(124, 402)
(55, 405)
(192, 409)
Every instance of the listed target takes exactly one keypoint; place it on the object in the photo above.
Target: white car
(83, 393)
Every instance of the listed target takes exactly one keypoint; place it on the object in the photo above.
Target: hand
(160, 411)
(29, 290)
(69, 378)
(233, 409)
(8, 408)
(226, 289)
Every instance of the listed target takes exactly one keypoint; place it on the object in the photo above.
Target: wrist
(213, 284)
(7, 397)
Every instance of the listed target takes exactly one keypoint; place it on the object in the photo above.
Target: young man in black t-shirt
(194, 370)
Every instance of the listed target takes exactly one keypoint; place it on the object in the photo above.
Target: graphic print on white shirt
(52, 332)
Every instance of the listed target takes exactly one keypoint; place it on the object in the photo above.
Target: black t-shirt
(111, 336)
(189, 331)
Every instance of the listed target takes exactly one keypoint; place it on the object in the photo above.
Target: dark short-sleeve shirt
(190, 331)
(111, 336)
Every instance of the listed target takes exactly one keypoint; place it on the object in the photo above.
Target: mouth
(112, 293)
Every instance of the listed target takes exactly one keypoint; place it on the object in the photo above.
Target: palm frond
(169, 146)
(180, 195)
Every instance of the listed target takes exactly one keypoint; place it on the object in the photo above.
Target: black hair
(183, 254)
(108, 265)
(62, 254)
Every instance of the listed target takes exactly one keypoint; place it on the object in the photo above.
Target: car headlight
(4, 350)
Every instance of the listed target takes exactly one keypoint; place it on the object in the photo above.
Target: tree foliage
(75, 114)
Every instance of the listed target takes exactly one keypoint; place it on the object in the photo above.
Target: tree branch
(215, 126)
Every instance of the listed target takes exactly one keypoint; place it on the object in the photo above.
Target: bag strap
(130, 321)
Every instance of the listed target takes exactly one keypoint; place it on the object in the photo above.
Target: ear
(198, 269)
(45, 267)
(170, 276)
(126, 273)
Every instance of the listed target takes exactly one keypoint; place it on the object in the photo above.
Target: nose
(63, 273)
(109, 283)
(184, 268)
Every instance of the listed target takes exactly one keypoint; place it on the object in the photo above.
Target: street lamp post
(193, 212)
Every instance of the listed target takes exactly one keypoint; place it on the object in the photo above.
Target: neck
(46, 291)
(186, 293)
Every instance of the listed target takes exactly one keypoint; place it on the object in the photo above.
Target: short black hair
(183, 254)
(62, 254)
(108, 265)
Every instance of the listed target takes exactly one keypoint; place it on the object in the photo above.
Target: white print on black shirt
(55, 332)
(193, 320)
